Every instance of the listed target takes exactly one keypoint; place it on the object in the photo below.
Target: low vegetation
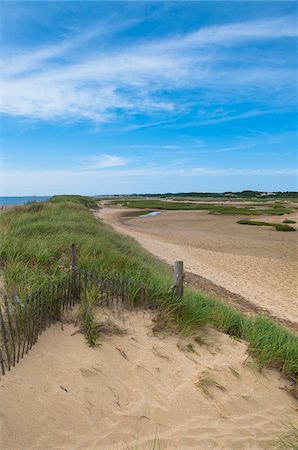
(256, 223)
(288, 221)
(282, 227)
(277, 226)
(276, 210)
(35, 248)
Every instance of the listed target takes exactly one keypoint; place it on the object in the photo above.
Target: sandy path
(135, 387)
(257, 263)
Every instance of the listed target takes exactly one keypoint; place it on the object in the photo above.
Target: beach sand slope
(139, 388)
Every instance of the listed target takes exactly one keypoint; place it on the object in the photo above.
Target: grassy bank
(277, 209)
(35, 248)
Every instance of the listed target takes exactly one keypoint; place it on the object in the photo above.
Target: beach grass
(35, 249)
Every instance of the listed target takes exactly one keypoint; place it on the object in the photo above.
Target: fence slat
(34, 319)
(37, 315)
(33, 314)
(79, 284)
(25, 327)
(60, 299)
(2, 361)
(30, 313)
(67, 293)
(71, 295)
(54, 302)
(51, 302)
(42, 308)
(45, 307)
(16, 318)
(10, 330)
(4, 337)
(21, 323)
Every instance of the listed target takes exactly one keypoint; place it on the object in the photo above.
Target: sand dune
(257, 263)
(139, 387)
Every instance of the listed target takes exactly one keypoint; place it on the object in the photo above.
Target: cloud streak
(105, 161)
(65, 82)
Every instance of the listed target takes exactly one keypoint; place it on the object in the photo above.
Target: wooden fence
(22, 321)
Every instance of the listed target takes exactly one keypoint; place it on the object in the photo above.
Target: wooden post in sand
(74, 256)
(178, 278)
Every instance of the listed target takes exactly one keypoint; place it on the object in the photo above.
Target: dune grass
(276, 210)
(35, 248)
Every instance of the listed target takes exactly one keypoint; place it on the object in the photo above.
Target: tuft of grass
(190, 348)
(89, 325)
(201, 340)
(289, 441)
(234, 372)
(207, 382)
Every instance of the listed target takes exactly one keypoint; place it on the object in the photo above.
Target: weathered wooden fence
(23, 320)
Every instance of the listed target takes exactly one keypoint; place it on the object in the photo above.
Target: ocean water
(7, 201)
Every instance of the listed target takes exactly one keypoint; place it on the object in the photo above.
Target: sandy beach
(257, 263)
(139, 388)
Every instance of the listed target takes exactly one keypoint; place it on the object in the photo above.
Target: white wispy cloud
(105, 161)
(66, 81)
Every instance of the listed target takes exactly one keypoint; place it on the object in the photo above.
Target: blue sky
(123, 97)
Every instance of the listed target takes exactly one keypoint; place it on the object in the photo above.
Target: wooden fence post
(74, 256)
(178, 278)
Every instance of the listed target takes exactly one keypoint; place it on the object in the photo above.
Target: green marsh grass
(277, 226)
(35, 248)
(284, 227)
(288, 221)
(213, 209)
(256, 223)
